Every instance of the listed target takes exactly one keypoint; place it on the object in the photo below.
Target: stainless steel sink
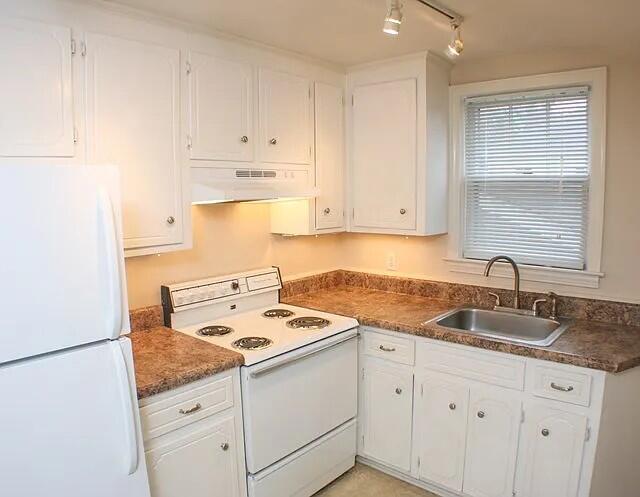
(502, 325)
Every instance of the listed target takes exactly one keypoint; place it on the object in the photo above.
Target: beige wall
(236, 237)
(228, 238)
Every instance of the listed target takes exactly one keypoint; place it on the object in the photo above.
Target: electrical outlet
(392, 261)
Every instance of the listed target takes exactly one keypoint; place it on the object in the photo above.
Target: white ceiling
(348, 32)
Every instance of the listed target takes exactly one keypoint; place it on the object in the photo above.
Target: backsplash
(571, 307)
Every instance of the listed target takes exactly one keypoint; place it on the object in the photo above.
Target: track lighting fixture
(456, 46)
(393, 19)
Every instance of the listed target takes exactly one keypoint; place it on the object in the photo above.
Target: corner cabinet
(325, 213)
(398, 139)
(193, 439)
(480, 423)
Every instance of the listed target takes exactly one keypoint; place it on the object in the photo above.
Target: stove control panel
(188, 295)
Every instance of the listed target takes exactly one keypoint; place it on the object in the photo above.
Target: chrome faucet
(516, 274)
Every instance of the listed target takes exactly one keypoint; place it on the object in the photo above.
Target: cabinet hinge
(309, 93)
(587, 434)
(353, 213)
(353, 101)
(73, 46)
(83, 48)
(188, 66)
(421, 390)
(418, 462)
(522, 416)
(75, 135)
(363, 374)
(189, 142)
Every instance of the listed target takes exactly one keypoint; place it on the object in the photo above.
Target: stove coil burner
(308, 323)
(278, 313)
(214, 331)
(252, 343)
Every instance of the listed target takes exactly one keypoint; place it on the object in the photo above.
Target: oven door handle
(291, 360)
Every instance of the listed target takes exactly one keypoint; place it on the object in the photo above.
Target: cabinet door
(441, 427)
(329, 156)
(36, 107)
(384, 155)
(133, 120)
(387, 401)
(551, 453)
(220, 109)
(285, 118)
(201, 462)
(492, 442)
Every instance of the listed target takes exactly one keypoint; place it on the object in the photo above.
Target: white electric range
(299, 381)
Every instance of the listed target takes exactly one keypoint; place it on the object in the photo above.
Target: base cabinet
(198, 461)
(387, 401)
(551, 452)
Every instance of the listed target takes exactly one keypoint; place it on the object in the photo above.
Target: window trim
(596, 79)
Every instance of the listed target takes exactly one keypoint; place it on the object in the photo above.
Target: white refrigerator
(69, 423)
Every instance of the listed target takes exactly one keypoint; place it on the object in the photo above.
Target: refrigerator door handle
(130, 434)
(112, 262)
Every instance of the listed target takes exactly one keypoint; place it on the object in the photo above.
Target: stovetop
(271, 335)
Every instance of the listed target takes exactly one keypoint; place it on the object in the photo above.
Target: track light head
(456, 46)
(393, 19)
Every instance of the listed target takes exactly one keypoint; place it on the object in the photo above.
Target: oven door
(293, 399)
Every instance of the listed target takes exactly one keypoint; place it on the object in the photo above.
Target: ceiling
(347, 32)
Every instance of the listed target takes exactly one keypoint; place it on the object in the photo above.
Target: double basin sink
(501, 325)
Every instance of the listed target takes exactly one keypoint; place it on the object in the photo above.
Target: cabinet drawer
(562, 384)
(396, 349)
(488, 367)
(186, 406)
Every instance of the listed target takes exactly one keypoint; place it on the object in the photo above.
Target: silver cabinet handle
(545, 432)
(224, 446)
(452, 406)
(398, 390)
(481, 414)
(171, 220)
(387, 349)
(191, 410)
(327, 210)
(244, 139)
(561, 388)
(273, 141)
(403, 211)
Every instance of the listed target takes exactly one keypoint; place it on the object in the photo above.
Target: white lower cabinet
(198, 461)
(387, 400)
(193, 439)
(441, 424)
(552, 452)
(484, 423)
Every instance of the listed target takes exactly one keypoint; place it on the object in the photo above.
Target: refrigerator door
(62, 272)
(71, 425)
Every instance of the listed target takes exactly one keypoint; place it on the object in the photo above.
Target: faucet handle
(554, 305)
(536, 303)
(497, 297)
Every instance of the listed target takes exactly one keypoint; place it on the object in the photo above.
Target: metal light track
(453, 16)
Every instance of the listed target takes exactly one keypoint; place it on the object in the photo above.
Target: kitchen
(267, 231)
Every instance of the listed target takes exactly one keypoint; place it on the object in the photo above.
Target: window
(528, 175)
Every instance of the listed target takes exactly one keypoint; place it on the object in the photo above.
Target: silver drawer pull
(398, 390)
(481, 414)
(224, 446)
(561, 388)
(545, 432)
(191, 410)
(452, 406)
(387, 349)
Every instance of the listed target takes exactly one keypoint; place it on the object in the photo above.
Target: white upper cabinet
(220, 109)
(397, 141)
(133, 120)
(285, 118)
(36, 103)
(329, 134)
(384, 155)
(492, 442)
(551, 453)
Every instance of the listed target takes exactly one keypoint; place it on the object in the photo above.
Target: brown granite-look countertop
(166, 359)
(592, 344)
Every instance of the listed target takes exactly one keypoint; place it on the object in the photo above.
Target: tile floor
(363, 481)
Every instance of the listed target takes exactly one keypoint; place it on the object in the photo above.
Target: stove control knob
(235, 285)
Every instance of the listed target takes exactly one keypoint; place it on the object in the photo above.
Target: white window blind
(526, 177)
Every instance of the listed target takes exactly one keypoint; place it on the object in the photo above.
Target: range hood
(211, 185)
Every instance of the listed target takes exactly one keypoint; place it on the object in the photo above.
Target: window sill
(570, 277)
